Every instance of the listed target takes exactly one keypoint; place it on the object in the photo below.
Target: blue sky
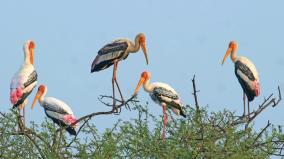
(183, 38)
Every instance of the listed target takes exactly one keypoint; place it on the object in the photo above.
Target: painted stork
(55, 109)
(163, 94)
(246, 73)
(114, 52)
(25, 80)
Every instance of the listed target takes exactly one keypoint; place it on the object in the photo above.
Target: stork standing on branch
(57, 110)
(246, 73)
(25, 80)
(163, 94)
(114, 52)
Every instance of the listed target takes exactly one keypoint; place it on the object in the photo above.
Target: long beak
(227, 54)
(38, 94)
(141, 81)
(32, 56)
(143, 46)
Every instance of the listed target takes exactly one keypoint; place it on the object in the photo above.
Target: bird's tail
(179, 107)
(182, 113)
(71, 130)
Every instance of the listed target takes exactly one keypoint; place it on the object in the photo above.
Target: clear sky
(183, 38)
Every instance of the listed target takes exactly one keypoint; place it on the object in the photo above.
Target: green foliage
(200, 135)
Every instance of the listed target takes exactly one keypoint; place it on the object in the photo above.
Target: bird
(246, 73)
(57, 110)
(162, 94)
(24, 80)
(116, 51)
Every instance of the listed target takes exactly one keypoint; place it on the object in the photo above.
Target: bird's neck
(148, 87)
(134, 47)
(29, 58)
(41, 98)
(234, 55)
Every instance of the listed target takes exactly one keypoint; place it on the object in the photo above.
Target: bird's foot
(116, 111)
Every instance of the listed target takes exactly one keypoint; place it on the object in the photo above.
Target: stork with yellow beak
(163, 94)
(25, 80)
(57, 110)
(114, 52)
(246, 73)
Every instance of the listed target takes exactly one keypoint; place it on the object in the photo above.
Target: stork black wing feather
(248, 73)
(31, 79)
(113, 47)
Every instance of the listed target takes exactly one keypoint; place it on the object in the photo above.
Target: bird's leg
(248, 110)
(244, 100)
(165, 120)
(121, 96)
(113, 91)
(24, 121)
(19, 111)
(22, 107)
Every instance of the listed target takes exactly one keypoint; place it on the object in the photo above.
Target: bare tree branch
(195, 93)
(259, 135)
(90, 116)
(23, 130)
(273, 102)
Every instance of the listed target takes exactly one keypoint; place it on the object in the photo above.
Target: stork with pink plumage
(25, 80)
(57, 110)
(114, 52)
(246, 73)
(162, 94)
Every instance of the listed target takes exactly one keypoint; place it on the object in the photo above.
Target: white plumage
(246, 73)
(163, 94)
(56, 109)
(24, 80)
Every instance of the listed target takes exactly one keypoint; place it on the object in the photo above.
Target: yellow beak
(141, 81)
(143, 46)
(38, 94)
(226, 55)
(32, 56)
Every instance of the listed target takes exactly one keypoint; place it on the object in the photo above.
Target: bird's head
(144, 77)
(29, 49)
(233, 46)
(142, 42)
(41, 90)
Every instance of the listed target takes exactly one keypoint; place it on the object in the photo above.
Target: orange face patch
(233, 45)
(145, 74)
(142, 39)
(41, 88)
(31, 45)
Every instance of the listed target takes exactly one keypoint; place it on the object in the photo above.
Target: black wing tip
(95, 69)
(17, 104)
(71, 131)
(182, 114)
(250, 97)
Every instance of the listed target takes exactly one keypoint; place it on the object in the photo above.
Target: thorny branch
(259, 135)
(199, 118)
(270, 101)
(265, 104)
(195, 93)
(88, 117)
(23, 129)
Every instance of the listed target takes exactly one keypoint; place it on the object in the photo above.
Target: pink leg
(165, 120)
(24, 120)
(113, 91)
(248, 110)
(244, 99)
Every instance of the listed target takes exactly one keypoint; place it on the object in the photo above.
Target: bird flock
(25, 80)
